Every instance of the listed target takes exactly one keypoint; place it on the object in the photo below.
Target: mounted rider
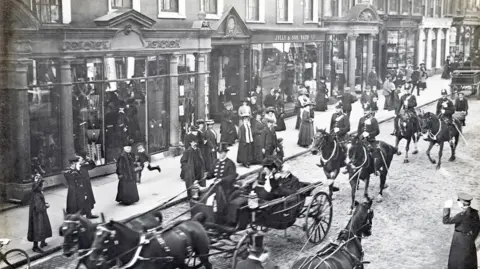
(368, 128)
(406, 108)
(340, 124)
(445, 110)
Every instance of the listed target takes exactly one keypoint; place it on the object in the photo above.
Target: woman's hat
(223, 147)
(269, 109)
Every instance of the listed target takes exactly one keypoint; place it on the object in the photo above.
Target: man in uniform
(368, 128)
(408, 103)
(461, 105)
(445, 110)
(463, 253)
(340, 125)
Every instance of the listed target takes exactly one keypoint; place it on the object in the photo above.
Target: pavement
(159, 187)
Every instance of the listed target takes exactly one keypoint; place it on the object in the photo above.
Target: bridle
(77, 230)
(365, 157)
(334, 151)
(427, 125)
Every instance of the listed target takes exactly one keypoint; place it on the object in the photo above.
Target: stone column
(369, 53)
(200, 85)
(438, 62)
(320, 60)
(428, 57)
(241, 72)
(66, 113)
(327, 8)
(420, 49)
(447, 42)
(352, 45)
(174, 102)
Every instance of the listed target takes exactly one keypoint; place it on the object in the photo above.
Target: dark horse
(407, 129)
(117, 244)
(437, 131)
(332, 154)
(347, 252)
(78, 232)
(361, 163)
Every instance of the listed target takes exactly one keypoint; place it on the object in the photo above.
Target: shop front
(434, 43)
(465, 35)
(229, 63)
(91, 90)
(286, 60)
(351, 41)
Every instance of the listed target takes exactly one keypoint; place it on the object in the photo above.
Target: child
(39, 228)
(141, 158)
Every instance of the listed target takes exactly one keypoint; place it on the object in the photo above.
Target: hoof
(379, 198)
(438, 166)
(377, 173)
(399, 153)
(415, 152)
(406, 161)
(452, 159)
(433, 161)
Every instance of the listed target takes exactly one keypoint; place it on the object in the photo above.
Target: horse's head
(106, 244)
(361, 222)
(356, 152)
(72, 229)
(320, 139)
(426, 120)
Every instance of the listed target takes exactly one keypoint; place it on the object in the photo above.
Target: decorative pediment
(17, 15)
(364, 13)
(120, 18)
(230, 25)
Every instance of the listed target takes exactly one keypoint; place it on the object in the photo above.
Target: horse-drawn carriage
(308, 203)
(466, 79)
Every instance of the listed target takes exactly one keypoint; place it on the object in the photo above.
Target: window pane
(430, 8)
(438, 8)
(45, 115)
(417, 6)
(379, 4)
(188, 102)
(393, 6)
(253, 12)
(282, 10)
(334, 8)
(121, 3)
(308, 10)
(210, 6)
(170, 5)
(345, 7)
(47, 11)
(405, 6)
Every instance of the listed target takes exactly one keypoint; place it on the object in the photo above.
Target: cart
(466, 79)
(278, 214)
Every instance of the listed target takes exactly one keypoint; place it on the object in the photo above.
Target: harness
(334, 151)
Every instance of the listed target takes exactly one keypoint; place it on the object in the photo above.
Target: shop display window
(187, 91)
(400, 49)
(45, 114)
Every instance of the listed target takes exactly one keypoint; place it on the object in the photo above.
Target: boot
(36, 248)
(43, 244)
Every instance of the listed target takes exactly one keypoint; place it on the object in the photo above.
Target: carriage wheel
(241, 251)
(318, 218)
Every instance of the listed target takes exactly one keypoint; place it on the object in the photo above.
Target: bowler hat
(223, 147)
(462, 196)
(272, 161)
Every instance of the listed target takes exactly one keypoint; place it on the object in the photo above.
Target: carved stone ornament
(384, 17)
(230, 25)
(163, 44)
(128, 29)
(352, 37)
(85, 45)
(22, 47)
(366, 15)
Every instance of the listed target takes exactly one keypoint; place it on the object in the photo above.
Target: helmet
(339, 105)
(444, 92)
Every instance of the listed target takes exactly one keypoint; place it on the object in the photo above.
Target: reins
(332, 154)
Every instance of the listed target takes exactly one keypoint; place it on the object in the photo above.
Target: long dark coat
(270, 141)
(258, 141)
(193, 167)
(305, 136)
(280, 114)
(76, 192)
(226, 172)
(122, 127)
(463, 253)
(245, 150)
(127, 192)
(228, 132)
(206, 150)
(39, 227)
(320, 99)
(87, 184)
(211, 136)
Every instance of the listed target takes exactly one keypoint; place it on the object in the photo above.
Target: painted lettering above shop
(294, 37)
(85, 45)
(163, 44)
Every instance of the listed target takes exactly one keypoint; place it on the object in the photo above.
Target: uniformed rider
(368, 128)
(339, 124)
(408, 103)
(445, 109)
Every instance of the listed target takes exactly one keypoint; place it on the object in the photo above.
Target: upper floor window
(445, 7)
(438, 9)
(417, 7)
(345, 7)
(282, 10)
(48, 11)
(380, 5)
(209, 6)
(169, 5)
(334, 7)
(405, 6)
(309, 14)
(116, 4)
(393, 6)
(430, 8)
(253, 10)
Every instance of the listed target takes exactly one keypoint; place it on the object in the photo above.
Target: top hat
(223, 147)
(464, 197)
(128, 143)
(256, 242)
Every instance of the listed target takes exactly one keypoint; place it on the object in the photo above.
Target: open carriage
(466, 79)
(307, 203)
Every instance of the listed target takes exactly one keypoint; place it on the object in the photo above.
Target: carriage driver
(445, 109)
(408, 103)
(368, 128)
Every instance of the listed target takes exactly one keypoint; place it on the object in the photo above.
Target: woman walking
(305, 136)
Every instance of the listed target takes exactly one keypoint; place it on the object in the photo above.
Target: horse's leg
(407, 148)
(440, 153)
(453, 147)
(430, 146)
(415, 143)
(367, 183)
(397, 141)
(353, 184)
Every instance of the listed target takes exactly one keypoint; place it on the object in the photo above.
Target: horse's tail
(200, 217)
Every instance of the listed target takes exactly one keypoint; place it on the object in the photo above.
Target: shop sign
(288, 37)
(408, 24)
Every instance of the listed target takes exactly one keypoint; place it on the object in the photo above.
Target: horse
(79, 232)
(407, 130)
(361, 164)
(331, 148)
(437, 131)
(117, 244)
(348, 251)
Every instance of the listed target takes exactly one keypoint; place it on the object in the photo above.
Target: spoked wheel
(193, 262)
(318, 217)
(11, 257)
(241, 251)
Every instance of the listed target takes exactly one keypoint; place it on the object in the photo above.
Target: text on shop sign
(294, 37)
